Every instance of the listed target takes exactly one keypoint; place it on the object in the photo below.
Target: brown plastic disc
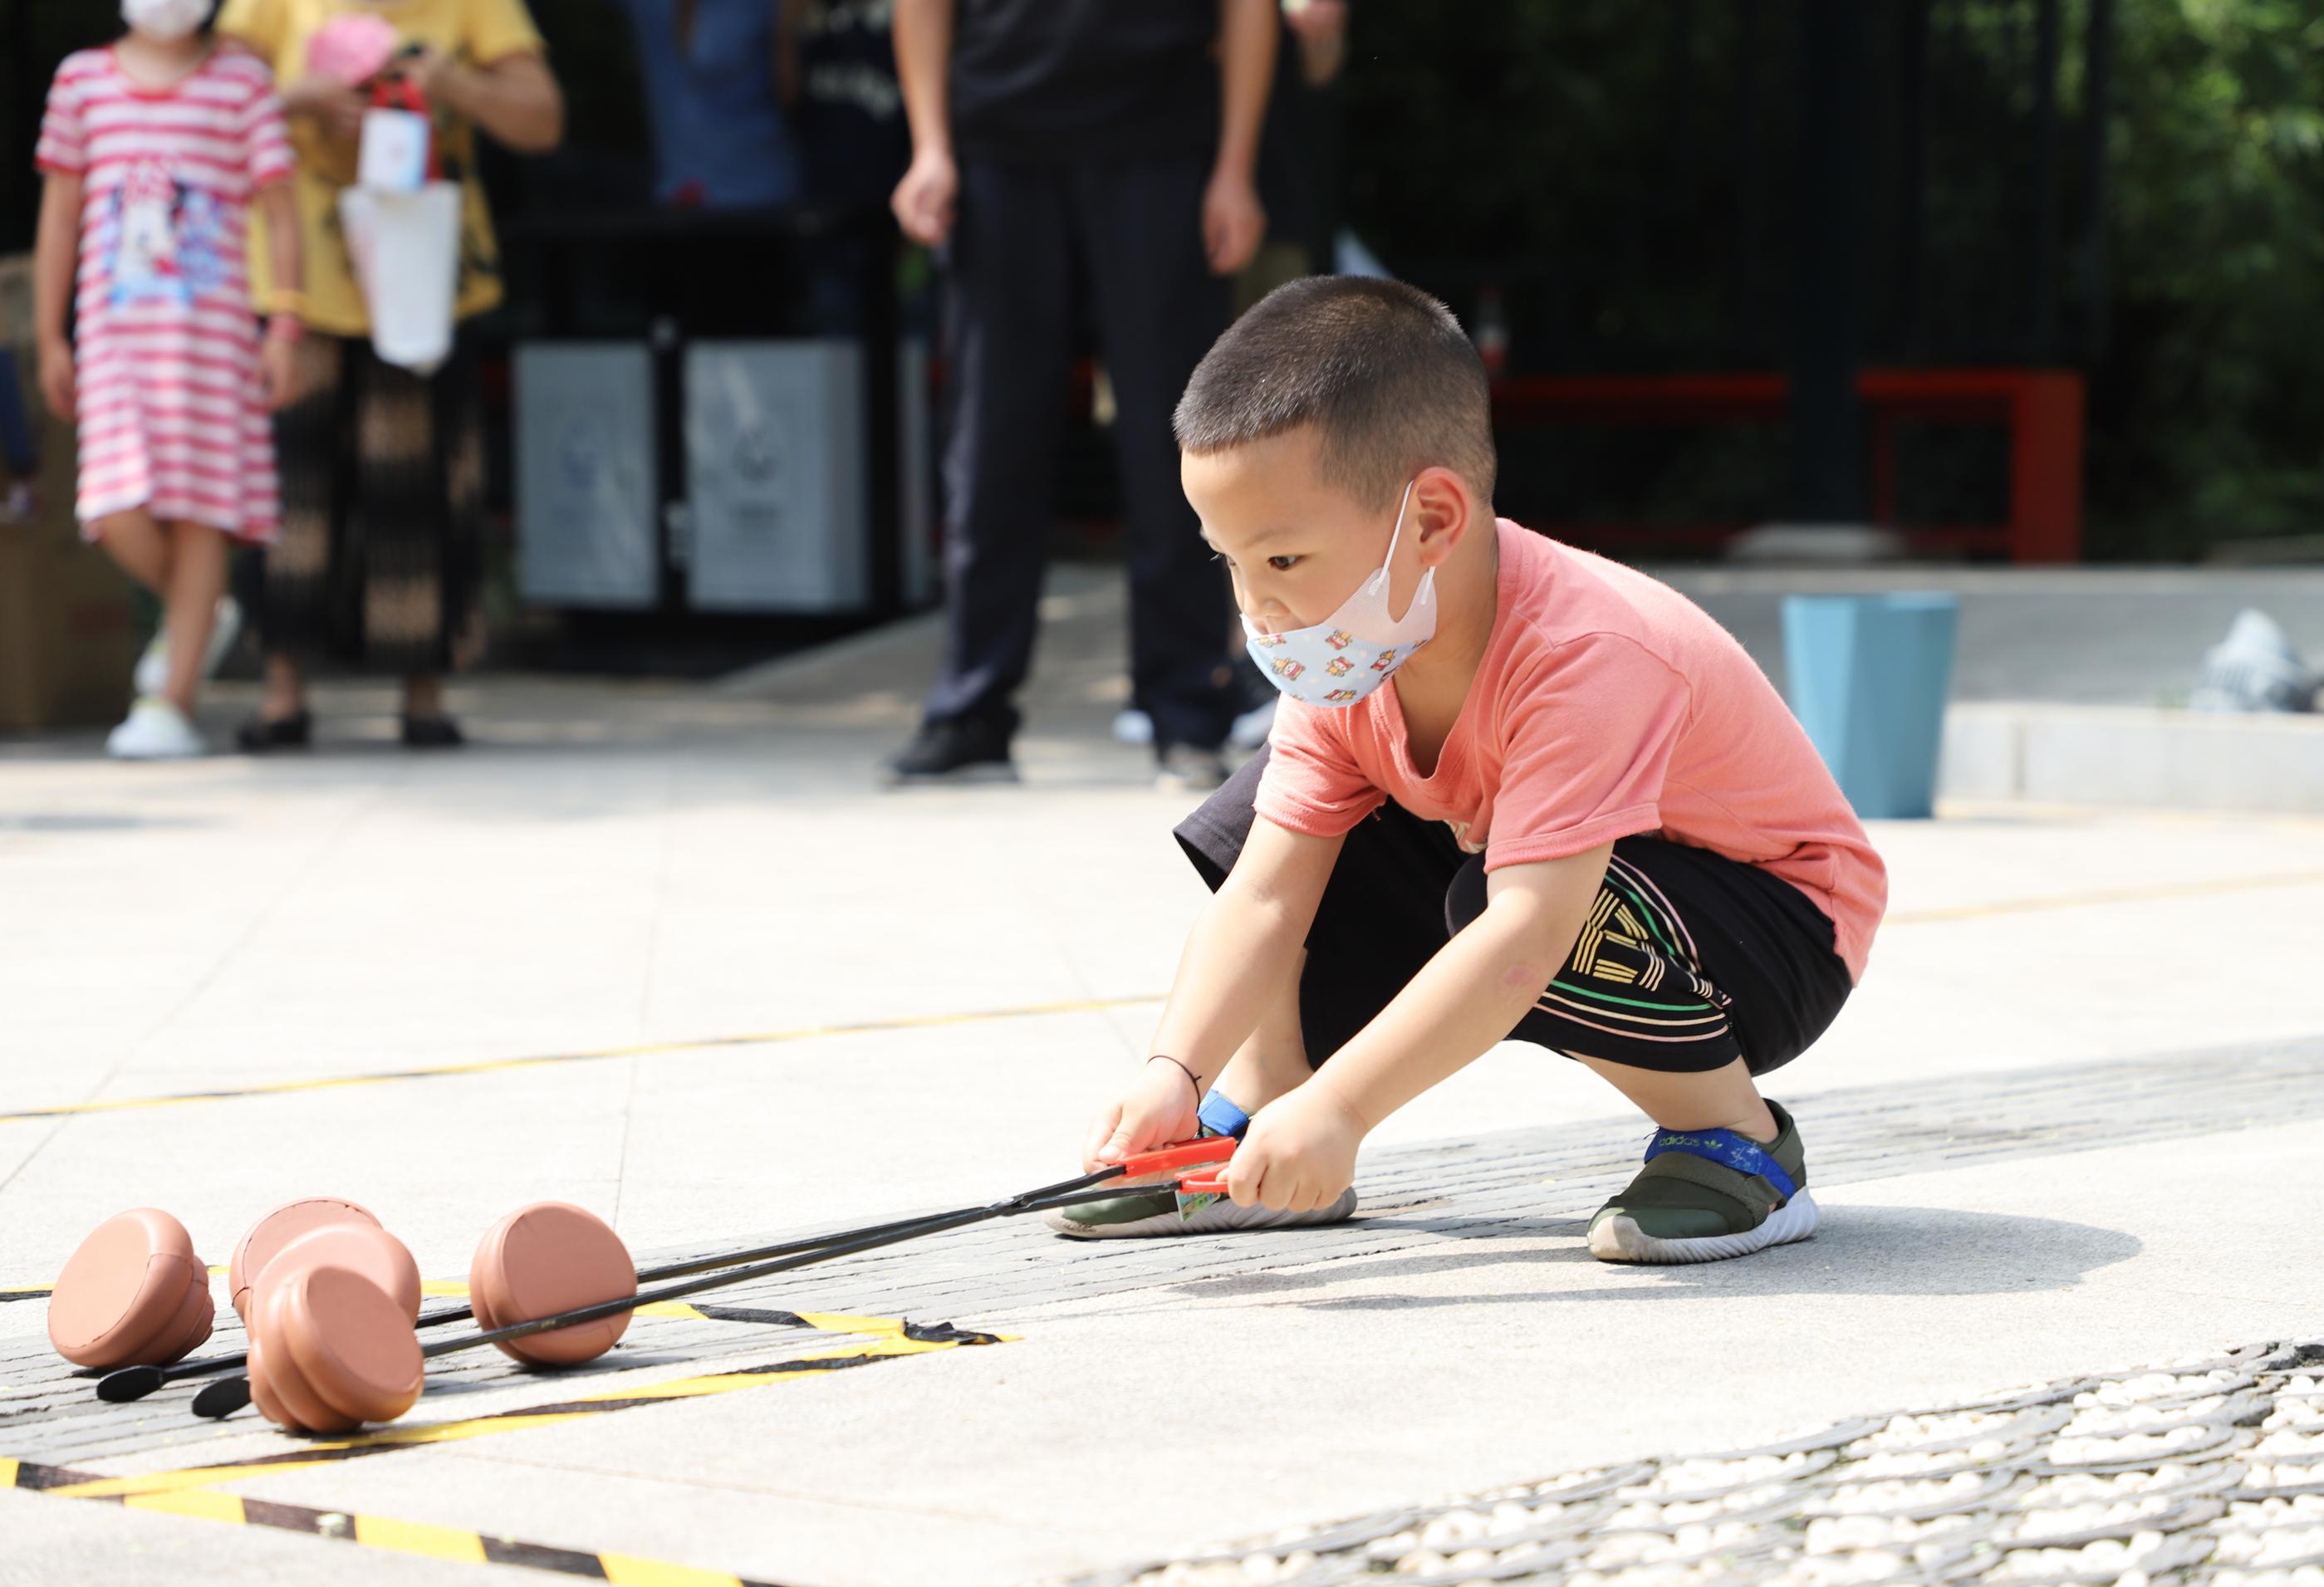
(194, 1319)
(352, 1340)
(279, 1228)
(260, 1373)
(271, 1357)
(552, 1257)
(364, 1248)
(124, 1295)
(262, 1387)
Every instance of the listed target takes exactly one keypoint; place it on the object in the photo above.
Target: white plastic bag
(406, 248)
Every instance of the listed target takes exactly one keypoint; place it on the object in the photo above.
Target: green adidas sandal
(1708, 1194)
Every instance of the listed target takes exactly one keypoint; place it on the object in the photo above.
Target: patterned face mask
(1352, 653)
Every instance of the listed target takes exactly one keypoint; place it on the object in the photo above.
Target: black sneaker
(434, 732)
(963, 750)
(262, 735)
(1188, 769)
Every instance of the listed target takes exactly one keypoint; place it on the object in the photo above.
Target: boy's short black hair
(1382, 371)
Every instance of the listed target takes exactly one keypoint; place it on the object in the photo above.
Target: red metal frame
(2042, 408)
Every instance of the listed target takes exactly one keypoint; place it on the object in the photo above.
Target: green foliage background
(1622, 172)
(2213, 405)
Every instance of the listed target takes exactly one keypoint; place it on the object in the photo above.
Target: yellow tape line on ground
(332, 1452)
(2159, 892)
(643, 1049)
(424, 1539)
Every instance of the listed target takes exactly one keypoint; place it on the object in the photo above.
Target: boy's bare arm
(1301, 1150)
(1245, 945)
(1473, 992)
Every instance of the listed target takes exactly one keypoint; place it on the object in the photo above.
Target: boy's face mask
(1349, 654)
(167, 20)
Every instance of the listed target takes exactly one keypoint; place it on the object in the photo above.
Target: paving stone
(1826, 1508)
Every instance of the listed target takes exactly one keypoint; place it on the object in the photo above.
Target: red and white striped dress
(172, 406)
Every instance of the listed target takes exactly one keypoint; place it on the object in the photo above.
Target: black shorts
(1688, 960)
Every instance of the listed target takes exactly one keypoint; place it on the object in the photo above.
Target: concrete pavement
(2053, 1135)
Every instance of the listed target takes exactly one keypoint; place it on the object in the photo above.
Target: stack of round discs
(363, 1247)
(135, 1294)
(328, 1298)
(330, 1349)
(279, 1228)
(547, 1257)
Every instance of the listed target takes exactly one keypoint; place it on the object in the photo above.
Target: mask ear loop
(1427, 589)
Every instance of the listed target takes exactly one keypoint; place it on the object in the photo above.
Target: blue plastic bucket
(1868, 677)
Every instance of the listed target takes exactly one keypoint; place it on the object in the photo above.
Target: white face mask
(1349, 653)
(166, 20)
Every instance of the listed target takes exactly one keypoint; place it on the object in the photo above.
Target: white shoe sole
(1220, 1217)
(135, 751)
(1620, 1240)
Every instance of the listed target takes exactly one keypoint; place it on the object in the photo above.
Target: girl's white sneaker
(155, 730)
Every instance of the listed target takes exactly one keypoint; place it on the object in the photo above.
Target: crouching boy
(1514, 791)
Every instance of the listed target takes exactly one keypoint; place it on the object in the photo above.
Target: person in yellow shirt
(380, 559)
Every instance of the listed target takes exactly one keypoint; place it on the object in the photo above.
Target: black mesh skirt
(380, 564)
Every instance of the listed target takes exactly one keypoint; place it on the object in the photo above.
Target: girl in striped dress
(154, 149)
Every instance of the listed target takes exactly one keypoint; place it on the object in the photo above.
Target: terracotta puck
(260, 1372)
(272, 1361)
(279, 1228)
(195, 1321)
(129, 1294)
(352, 1340)
(546, 1258)
(363, 1248)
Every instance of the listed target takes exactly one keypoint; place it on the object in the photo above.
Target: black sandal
(261, 735)
(436, 732)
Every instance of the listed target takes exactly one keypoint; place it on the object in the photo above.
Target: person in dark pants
(1060, 145)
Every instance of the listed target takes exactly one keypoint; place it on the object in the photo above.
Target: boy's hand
(1299, 1155)
(1158, 1108)
(56, 363)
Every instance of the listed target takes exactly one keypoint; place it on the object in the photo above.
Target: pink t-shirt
(1607, 705)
